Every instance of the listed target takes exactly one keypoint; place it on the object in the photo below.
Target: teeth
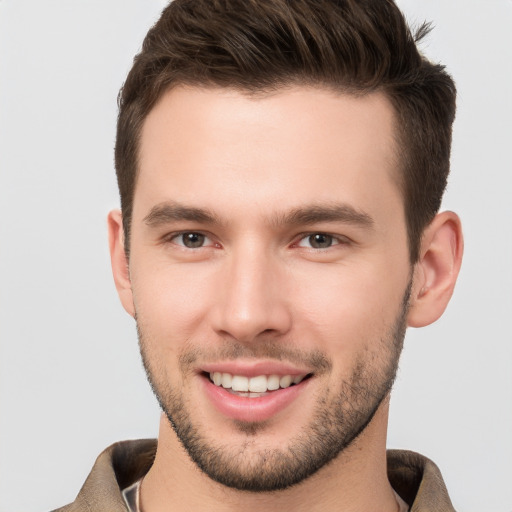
(240, 383)
(259, 384)
(226, 380)
(285, 381)
(273, 382)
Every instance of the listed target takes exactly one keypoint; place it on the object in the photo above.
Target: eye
(318, 241)
(191, 240)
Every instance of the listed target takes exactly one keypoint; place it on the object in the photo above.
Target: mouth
(254, 395)
(254, 387)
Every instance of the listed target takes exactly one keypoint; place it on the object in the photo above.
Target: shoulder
(117, 467)
(418, 481)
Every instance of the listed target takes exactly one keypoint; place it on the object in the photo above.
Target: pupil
(320, 241)
(193, 240)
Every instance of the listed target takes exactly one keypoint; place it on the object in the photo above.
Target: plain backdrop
(71, 382)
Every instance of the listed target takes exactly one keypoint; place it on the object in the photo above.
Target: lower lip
(255, 409)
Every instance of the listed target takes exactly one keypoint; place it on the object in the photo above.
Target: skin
(257, 285)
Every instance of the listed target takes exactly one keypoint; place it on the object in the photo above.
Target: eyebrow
(314, 214)
(171, 211)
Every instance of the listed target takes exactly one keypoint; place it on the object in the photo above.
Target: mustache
(191, 357)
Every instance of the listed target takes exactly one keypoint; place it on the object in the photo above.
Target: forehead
(215, 145)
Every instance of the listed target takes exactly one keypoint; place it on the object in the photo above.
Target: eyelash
(335, 240)
(174, 236)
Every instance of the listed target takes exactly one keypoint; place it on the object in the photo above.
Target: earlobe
(119, 260)
(436, 271)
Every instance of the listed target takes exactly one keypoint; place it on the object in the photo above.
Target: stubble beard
(334, 425)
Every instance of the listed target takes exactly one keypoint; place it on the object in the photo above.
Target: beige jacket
(414, 477)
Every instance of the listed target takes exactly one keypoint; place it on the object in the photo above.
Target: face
(269, 274)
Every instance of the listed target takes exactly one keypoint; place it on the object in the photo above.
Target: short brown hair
(352, 46)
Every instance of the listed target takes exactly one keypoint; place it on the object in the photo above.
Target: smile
(254, 386)
(254, 394)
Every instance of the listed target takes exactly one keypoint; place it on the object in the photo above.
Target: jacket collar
(415, 478)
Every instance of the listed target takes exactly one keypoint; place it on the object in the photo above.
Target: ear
(119, 260)
(437, 269)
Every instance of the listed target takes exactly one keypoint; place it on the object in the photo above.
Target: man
(281, 166)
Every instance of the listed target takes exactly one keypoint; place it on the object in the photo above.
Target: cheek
(170, 302)
(347, 310)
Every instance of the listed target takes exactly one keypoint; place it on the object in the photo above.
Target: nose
(252, 302)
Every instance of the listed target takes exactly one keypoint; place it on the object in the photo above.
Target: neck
(356, 481)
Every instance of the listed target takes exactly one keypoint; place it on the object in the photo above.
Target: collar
(415, 478)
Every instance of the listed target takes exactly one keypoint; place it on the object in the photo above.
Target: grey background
(70, 378)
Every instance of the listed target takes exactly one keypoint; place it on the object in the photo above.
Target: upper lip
(253, 369)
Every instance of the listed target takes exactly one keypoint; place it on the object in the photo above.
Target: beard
(339, 417)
